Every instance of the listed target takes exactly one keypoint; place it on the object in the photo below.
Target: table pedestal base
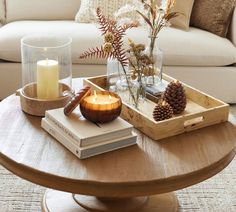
(57, 201)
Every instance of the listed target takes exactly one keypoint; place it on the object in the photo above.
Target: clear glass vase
(119, 80)
(153, 72)
(139, 93)
(154, 81)
(115, 76)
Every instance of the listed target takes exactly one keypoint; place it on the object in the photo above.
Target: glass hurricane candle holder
(46, 72)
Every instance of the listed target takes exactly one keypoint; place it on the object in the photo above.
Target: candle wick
(94, 98)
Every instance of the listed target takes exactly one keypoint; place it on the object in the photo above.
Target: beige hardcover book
(86, 133)
(92, 150)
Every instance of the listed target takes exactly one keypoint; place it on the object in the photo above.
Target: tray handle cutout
(194, 121)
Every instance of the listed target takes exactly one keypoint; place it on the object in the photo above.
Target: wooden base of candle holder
(37, 107)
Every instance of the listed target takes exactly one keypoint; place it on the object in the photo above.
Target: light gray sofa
(197, 57)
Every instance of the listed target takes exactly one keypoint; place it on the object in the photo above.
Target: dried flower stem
(135, 100)
(157, 18)
(126, 77)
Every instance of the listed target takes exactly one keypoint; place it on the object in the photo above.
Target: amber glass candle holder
(101, 107)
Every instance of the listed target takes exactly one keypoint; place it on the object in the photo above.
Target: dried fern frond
(116, 45)
(124, 28)
(121, 57)
(94, 52)
(106, 25)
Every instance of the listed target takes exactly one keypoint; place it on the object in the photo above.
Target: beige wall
(2, 11)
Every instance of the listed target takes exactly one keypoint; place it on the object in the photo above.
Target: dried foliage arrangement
(156, 18)
(113, 46)
(139, 61)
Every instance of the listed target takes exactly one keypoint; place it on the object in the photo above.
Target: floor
(218, 194)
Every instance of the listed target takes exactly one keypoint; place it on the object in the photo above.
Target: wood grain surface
(151, 167)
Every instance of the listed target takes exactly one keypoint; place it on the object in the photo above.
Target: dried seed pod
(109, 37)
(107, 47)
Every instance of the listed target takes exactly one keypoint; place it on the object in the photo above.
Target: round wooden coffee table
(135, 178)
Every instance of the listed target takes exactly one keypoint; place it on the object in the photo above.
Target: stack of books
(84, 138)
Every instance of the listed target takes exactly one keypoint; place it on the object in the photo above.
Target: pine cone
(162, 111)
(175, 96)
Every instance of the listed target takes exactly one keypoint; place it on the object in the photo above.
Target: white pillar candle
(47, 79)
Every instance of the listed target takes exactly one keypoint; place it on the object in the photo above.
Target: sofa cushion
(41, 9)
(87, 11)
(232, 32)
(193, 48)
(184, 7)
(213, 16)
(196, 48)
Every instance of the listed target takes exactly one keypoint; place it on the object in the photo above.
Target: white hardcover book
(92, 150)
(75, 142)
(86, 133)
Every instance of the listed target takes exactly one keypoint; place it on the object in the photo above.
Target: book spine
(63, 129)
(108, 147)
(91, 140)
(86, 151)
(59, 137)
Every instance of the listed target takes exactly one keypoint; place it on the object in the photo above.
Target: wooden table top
(151, 167)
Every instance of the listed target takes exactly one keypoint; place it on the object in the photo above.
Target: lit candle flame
(109, 97)
(163, 103)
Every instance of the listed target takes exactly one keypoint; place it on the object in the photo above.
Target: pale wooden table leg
(57, 201)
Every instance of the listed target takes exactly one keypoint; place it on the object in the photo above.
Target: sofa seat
(193, 48)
